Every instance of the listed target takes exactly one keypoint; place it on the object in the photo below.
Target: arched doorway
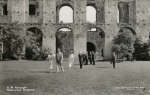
(64, 40)
(97, 36)
(127, 29)
(34, 38)
(91, 47)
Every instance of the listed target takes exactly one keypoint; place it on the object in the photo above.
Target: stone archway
(97, 36)
(34, 38)
(65, 40)
(128, 29)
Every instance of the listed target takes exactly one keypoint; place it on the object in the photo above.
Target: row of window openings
(32, 10)
(123, 16)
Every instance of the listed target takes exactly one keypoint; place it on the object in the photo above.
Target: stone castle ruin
(78, 25)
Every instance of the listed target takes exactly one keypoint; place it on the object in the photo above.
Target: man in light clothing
(71, 59)
(59, 59)
(51, 57)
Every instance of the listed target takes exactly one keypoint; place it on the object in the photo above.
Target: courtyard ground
(129, 78)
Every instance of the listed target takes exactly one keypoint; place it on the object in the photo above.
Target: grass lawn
(129, 78)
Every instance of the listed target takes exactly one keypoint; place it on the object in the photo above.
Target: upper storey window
(91, 14)
(123, 9)
(66, 14)
(33, 8)
(5, 11)
(3, 7)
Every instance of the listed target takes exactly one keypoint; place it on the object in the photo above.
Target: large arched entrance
(64, 40)
(33, 44)
(96, 37)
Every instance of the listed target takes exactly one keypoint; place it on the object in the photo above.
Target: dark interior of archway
(33, 44)
(91, 47)
(59, 40)
(64, 41)
(36, 35)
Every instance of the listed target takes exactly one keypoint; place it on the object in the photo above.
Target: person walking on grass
(50, 58)
(85, 58)
(71, 59)
(80, 56)
(59, 59)
(93, 57)
(113, 61)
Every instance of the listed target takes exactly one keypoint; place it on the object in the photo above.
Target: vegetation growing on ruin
(123, 44)
(13, 40)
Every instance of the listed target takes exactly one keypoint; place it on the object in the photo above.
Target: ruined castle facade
(78, 35)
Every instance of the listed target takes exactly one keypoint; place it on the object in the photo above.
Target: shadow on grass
(46, 72)
(104, 67)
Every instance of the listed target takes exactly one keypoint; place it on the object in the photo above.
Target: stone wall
(107, 19)
(143, 18)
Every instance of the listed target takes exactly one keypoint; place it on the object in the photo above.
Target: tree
(33, 44)
(13, 39)
(123, 44)
(141, 50)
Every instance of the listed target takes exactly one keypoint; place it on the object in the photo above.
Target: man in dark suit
(85, 58)
(93, 57)
(80, 60)
(90, 57)
(114, 59)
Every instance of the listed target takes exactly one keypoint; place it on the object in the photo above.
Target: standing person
(59, 59)
(113, 59)
(50, 60)
(85, 58)
(71, 59)
(80, 60)
(93, 57)
(90, 57)
(1, 51)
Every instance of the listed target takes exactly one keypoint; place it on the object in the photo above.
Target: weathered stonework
(47, 20)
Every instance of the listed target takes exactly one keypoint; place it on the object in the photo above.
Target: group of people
(84, 58)
(57, 58)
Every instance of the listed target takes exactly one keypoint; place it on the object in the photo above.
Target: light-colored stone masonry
(47, 20)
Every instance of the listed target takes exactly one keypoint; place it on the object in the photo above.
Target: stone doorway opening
(65, 41)
(96, 36)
